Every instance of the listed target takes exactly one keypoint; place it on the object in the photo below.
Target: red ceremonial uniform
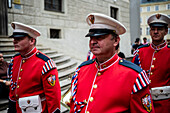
(35, 74)
(155, 60)
(111, 87)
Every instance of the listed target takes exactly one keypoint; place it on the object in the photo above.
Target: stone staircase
(65, 65)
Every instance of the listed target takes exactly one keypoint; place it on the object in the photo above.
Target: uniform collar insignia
(107, 63)
(34, 50)
(158, 47)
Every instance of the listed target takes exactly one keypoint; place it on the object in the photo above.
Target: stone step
(65, 84)
(56, 56)
(48, 53)
(67, 65)
(12, 51)
(6, 41)
(67, 74)
(3, 105)
(11, 46)
(3, 36)
(62, 60)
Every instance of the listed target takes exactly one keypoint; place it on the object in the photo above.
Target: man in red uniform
(108, 84)
(154, 58)
(34, 78)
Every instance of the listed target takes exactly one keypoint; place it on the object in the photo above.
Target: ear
(117, 40)
(166, 31)
(32, 41)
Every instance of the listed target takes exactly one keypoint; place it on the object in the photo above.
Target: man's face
(1, 58)
(158, 33)
(102, 45)
(22, 44)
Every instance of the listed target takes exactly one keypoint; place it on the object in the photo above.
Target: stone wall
(71, 23)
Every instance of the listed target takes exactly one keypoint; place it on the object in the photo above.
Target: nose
(93, 40)
(155, 31)
(15, 41)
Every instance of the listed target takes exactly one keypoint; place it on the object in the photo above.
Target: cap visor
(158, 25)
(16, 36)
(95, 34)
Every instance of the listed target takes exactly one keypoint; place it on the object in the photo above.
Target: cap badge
(91, 18)
(158, 16)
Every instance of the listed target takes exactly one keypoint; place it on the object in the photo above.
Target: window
(140, 20)
(113, 12)
(140, 9)
(168, 30)
(146, 19)
(53, 5)
(148, 9)
(55, 33)
(168, 6)
(140, 31)
(147, 31)
(157, 8)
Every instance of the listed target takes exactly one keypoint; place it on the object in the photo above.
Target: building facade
(62, 22)
(149, 7)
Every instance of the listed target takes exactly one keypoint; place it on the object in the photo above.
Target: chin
(17, 49)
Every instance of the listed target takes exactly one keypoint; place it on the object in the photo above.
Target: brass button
(156, 51)
(152, 66)
(37, 53)
(91, 99)
(151, 73)
(95, 86)
(121, 60)
(85, 101)
(154, 58)
(28, 101)
(150, 81)
(98, 74)
(18, 86)
(104, 66)
(87, 112)
(21, 70)
(16, 95)
(23, 61)
(19, 78)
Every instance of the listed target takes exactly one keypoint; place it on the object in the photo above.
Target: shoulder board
(16, 54)
(42, 56)
(146, 45)
(168, 45)
(86, 63)
(130, 65)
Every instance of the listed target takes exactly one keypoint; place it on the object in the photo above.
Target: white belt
(159, 93)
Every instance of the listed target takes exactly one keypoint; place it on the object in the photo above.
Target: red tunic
(110, 88)
(155, 60)
(35, 74)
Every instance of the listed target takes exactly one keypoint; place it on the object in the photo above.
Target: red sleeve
(52, 90)
(141, 102)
